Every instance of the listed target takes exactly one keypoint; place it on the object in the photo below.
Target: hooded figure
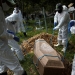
(71, 27)
(62, 18)
(10, 21)
(7, 57)
(20, 26)
(11, 24)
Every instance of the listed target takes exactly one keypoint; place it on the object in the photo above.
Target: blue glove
(56, 28)
(11, 32)
(55, 24)
(16, 38)
(71, 23)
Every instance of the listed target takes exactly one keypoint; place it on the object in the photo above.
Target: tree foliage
(32, 5)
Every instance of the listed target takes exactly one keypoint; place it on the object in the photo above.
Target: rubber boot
(64, 49)
(24, 73)
(59, 43)
(64, 43)
(25, 34)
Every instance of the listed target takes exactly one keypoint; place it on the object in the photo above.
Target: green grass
(29, 66)
(31, 31)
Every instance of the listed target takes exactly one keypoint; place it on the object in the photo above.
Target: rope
(51, 37)
(46, 55)
(69, 36)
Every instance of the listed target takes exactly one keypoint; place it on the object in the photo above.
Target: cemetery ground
(27, 45)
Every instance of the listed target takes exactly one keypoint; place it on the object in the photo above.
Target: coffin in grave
(46, 59)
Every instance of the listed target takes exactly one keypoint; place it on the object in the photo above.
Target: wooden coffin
(46, 59)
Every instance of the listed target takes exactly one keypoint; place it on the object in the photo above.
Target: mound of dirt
(28, 45)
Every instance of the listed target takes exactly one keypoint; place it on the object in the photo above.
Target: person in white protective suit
(19, 26)
(61, 18)
(71, 9)
(71, 27)
(10, 21)
(7, 57)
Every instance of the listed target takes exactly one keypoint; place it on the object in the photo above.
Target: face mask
(59, 11)
(17, 10)
(5, 6)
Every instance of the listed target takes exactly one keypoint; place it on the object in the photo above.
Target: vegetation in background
(31, 5)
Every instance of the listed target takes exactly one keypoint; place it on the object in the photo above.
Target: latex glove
(71, 23)
(11, 32)
(55, 24)
(56, 28)
(16, 38)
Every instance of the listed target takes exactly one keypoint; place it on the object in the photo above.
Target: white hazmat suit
(72, 26)
(7, 57)
(9, 19)
(12, 43)
(62, 19)
(20, 25)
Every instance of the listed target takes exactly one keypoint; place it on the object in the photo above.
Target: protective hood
(58, 6)
(65, 8)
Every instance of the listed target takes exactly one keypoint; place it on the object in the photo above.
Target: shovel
(52, 38)
(69, 36)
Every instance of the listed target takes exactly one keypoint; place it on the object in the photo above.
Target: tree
(30, 5)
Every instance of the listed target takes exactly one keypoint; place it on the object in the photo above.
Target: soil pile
(28, 45)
